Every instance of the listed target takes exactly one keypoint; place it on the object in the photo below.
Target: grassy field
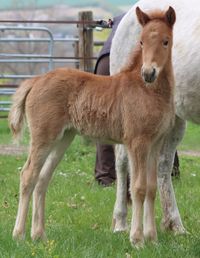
(191, 140)
(79, 212)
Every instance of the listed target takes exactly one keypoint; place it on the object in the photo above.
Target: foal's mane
(157, 15)
(134, 58)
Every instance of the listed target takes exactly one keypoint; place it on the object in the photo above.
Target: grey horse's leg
(120, 209)
(171, 216)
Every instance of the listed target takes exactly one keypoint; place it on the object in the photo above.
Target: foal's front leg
(149, 223)
(138, 157)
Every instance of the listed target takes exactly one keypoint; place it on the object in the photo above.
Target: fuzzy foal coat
(112, 109)
(121, 109)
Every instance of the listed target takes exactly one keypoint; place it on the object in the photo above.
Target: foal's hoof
(138, 244)
(151, 236)
(119, 225)
(37, 236)
(18, 235)
(137, 240)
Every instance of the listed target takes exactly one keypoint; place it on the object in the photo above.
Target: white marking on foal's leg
(120, 209)
(38, 218)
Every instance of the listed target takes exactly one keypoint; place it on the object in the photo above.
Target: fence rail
(83, 57)
(92, 23)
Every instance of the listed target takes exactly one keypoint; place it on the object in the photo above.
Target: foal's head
(155, 41)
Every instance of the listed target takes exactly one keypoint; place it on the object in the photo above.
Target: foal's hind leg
(37, 230)
(171, 217)
(120, 209)
(28, 179)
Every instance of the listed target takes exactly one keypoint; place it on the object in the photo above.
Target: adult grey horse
(186, 62)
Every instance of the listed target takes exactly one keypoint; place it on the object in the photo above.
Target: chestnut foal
(134, 107)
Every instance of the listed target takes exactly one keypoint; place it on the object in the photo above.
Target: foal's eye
(141, 43)
(165, 43)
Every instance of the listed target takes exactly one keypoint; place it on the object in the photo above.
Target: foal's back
(72, 99)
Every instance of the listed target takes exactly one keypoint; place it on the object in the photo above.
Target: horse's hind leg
(37, 230)
(28, 180)
(171, 217)
(120, 209)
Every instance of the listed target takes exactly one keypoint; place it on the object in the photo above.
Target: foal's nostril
(153, 73)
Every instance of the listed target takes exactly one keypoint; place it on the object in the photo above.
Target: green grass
(191, 139)
(79, 212)
(5, 135)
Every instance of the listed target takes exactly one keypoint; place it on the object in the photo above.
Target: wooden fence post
(76, 53)
(86, 41)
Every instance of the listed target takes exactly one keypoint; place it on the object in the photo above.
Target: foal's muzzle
(148, 75)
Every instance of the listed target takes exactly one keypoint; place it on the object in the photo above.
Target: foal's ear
(143, 18)
(170, 17)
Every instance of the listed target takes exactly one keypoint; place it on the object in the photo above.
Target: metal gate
(82, 56)
(9, 81)
(25, 58)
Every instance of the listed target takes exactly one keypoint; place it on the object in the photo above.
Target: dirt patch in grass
(19, 150)
(190, 153)
(13, 150)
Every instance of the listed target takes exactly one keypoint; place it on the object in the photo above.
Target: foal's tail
(17, 112)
